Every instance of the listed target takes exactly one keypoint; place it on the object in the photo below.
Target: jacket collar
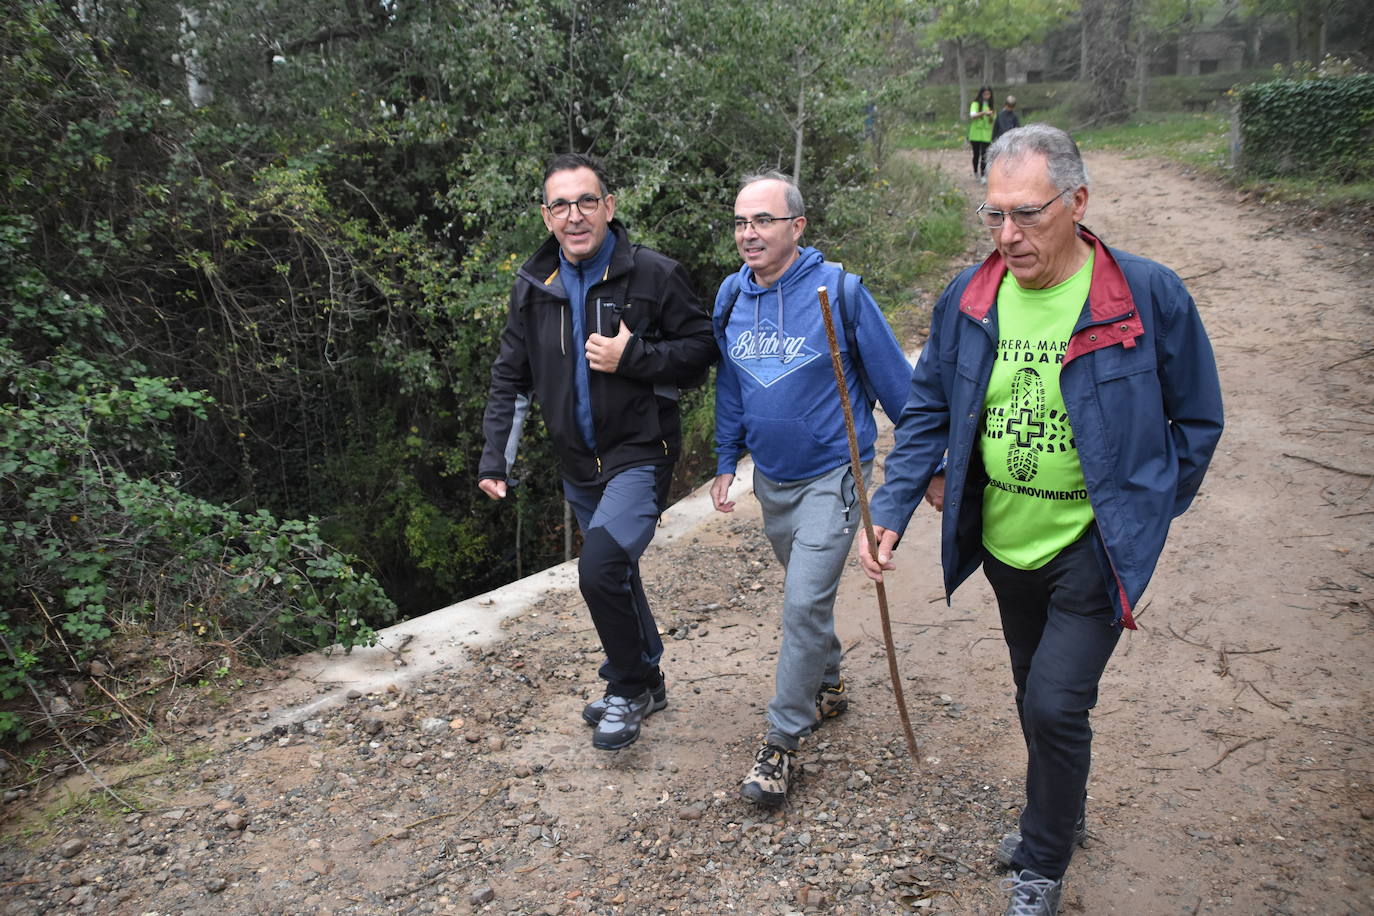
(1109, 296)
(542, 269)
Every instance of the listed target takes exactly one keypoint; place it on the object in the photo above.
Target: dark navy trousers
(618, 521)
(1058, 622)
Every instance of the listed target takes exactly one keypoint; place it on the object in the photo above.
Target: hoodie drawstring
(782, 330)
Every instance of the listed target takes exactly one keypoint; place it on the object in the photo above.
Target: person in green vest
(980, 115)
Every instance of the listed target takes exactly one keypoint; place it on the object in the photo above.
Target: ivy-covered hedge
(1320, 127)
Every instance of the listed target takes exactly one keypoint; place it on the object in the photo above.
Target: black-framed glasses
(1023, 217)
(760, 223)
(586, 205)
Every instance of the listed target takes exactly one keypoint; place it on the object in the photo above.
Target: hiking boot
(1032, 895)
(620, 720)
(1006, 849)
(770, 776)
(593, 711)
(831, 701)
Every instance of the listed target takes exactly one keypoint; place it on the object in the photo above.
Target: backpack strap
(721, 322)
(849, 292)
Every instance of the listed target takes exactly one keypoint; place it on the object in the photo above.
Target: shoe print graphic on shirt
(1033, 429)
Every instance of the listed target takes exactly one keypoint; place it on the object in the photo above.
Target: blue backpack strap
(720, 322)
(849, 292)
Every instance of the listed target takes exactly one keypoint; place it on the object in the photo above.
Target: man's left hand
(603, 353)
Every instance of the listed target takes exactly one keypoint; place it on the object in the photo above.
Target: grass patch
(931, 135)
(1318, 192)
(79, 797)
(935, 115)
(905, 230)
(1317, 201)
(1198, 139)
(1202, 141)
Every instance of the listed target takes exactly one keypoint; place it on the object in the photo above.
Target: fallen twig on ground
(1231, 750)
(434, 817)
(707, 677)
(1329, 467)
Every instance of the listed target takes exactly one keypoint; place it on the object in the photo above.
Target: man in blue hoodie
(601, 332)
(776, 397)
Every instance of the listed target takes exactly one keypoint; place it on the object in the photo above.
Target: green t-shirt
(979, 129)
(1035, 503)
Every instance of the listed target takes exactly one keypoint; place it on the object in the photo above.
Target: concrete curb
(439, 639)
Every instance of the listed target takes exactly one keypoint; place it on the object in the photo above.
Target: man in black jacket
(1006, 119)
(602, 332)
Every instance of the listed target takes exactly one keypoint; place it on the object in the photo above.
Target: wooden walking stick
(861, 489)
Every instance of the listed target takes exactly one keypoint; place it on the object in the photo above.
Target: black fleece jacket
(634, 409)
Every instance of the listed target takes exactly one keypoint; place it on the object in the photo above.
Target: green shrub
(224, 322)
(1317, 127)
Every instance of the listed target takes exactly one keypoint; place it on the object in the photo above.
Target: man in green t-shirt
(1072, 392)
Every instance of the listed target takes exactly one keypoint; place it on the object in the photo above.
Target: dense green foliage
(1316, 127)
(246, 344)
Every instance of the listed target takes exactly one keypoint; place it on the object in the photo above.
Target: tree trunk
(963, 83)
(1142, 74)
(1107, 24)
(568, 77)
(1083, 47)
(198, 88)
(1143, 47)
(1309, 26)
(799, 130)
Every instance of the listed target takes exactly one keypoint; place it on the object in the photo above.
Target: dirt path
(1234, 754)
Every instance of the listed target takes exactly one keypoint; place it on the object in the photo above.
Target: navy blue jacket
(1143, 397)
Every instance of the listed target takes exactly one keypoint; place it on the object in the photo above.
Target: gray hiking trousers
(811, 525)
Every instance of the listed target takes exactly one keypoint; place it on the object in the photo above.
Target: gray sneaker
(593, 711)
(620, 721)
(1032, 895)
(1006, 850)
(770, 776)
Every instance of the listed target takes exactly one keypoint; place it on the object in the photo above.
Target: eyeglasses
(586, 205)
(1023, 217)
(760, 223)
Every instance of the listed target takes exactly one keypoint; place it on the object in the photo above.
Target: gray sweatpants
(811, 525)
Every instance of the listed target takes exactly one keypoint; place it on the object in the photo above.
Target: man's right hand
(720, 489)
(887, 542)
(935, 492)
(496, 489)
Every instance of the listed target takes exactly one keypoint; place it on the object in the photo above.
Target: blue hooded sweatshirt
(776, 395)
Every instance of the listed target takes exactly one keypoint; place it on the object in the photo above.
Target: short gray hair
(791, 193)
(1061, 154)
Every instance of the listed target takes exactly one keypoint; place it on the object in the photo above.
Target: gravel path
(1234, 752)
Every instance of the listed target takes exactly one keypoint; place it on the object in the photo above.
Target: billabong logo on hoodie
(768, 355)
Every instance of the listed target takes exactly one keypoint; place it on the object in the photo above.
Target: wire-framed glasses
(1023, 217)
(760, 223)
